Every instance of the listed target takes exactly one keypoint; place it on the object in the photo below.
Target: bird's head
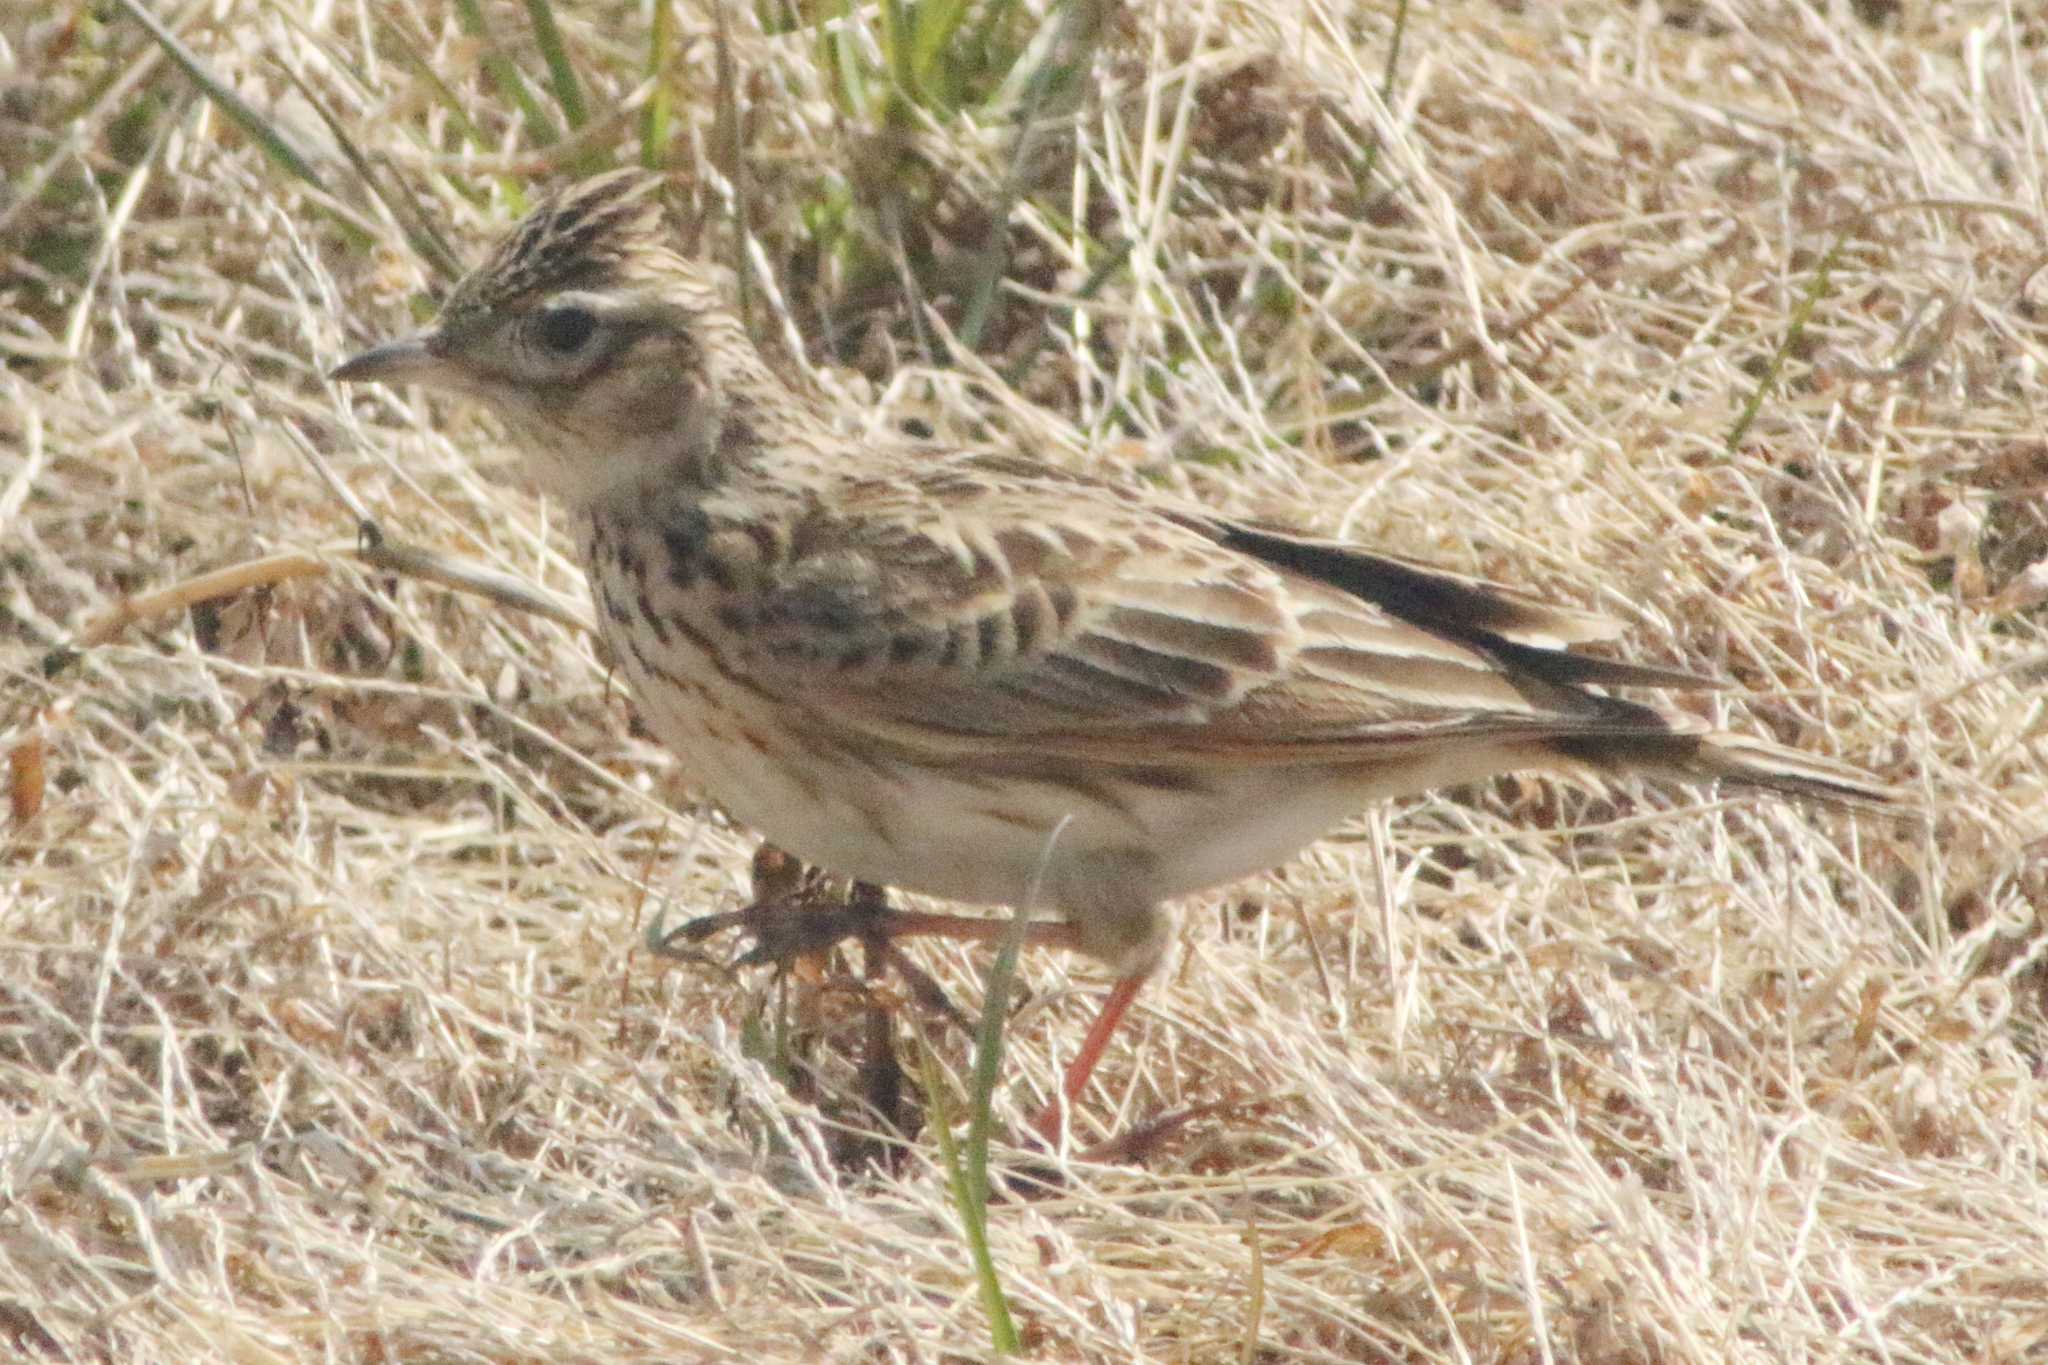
(606, 353)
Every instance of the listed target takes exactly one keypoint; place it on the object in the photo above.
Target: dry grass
(328, 1031)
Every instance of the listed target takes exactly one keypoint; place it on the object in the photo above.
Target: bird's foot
(801, 912)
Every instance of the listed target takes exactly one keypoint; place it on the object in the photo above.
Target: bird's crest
(573, 239)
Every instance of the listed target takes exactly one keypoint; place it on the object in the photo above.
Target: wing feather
(1043, 613)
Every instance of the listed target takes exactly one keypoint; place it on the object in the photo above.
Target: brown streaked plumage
(965, 673)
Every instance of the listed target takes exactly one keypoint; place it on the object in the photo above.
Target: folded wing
(1045, 615)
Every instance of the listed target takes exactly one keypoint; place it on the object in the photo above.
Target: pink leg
(1047, 1124)
(786, 929)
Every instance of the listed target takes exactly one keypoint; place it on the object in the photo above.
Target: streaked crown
(610, 356)
(581, 237)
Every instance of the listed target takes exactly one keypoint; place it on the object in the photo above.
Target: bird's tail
(1720, 756)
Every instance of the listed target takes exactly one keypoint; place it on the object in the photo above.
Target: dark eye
(564, 330)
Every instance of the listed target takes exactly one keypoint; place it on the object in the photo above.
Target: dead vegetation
(326, 1028)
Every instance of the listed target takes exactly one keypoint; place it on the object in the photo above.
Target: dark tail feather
(1521, 632)
(1720, 756)
(1449, 604)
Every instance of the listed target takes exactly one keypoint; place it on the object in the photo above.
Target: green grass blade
(424, 238)
(1081, 25)
(1767, 382)
(933, 29)
(654, 116)
(407, 47)
(840, 54)
(1370, 166)
(504, 76)
(262, 131)
(547, 35)
(988, 1053)
(1002, 1330)
(896, 44)
(994, 14)
(967, 1168)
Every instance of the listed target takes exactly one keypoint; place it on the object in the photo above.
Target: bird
(963, 671)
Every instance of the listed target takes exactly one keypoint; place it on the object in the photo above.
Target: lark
(967, 673)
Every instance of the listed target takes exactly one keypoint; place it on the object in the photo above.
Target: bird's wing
(966, 608)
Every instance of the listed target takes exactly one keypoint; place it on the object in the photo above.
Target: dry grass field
(329, 1029)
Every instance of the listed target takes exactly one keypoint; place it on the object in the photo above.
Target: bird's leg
(800, 912)
(811, 917)
(1106, 894)
(1047, 1124)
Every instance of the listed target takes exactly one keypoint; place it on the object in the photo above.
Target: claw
(805, 916)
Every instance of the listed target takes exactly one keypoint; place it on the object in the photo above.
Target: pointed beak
(409, 360)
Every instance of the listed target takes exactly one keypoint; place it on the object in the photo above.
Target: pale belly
(978, 831)
(957, 832)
